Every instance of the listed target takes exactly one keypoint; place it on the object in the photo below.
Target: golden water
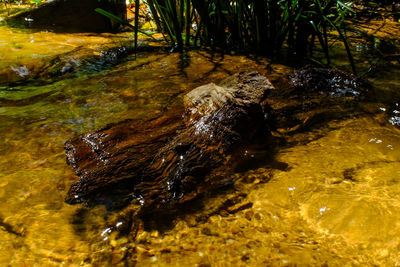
(308, 213)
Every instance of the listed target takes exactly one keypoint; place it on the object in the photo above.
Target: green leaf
(110, 16)
(345, 6)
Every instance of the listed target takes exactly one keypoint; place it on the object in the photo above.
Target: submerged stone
(166, 160)
(326, 81)
(312, 96)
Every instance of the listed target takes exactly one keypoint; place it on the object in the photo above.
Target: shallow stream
(330, 197)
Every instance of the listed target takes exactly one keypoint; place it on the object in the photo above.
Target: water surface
(334, 201)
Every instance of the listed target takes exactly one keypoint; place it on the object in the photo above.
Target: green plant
(262, 26)
(331, 15)
(124, 22)
(171, 18)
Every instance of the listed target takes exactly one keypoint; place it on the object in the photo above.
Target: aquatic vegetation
(264, 27)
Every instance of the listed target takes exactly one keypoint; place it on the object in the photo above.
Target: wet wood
(169, 160)
(117, 152)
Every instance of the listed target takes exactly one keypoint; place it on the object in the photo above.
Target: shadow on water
(260, 157)
(252, 157)
(216, 59)
(184, 62)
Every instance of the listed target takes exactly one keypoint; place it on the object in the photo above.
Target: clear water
(336, 202)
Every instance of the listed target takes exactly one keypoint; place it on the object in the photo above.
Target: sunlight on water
(336, 200)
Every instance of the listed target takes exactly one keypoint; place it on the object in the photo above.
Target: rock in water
(328, 81)
(166, 161)
(312, 96)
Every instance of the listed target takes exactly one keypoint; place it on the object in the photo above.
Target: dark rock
(166, 161)
(71, 16)
(312, 96)
(326, 81)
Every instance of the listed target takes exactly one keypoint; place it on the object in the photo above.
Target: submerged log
(116, 152)
(71, 16)
(166, 160)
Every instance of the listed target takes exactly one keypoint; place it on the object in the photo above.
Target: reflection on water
(336, 201)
